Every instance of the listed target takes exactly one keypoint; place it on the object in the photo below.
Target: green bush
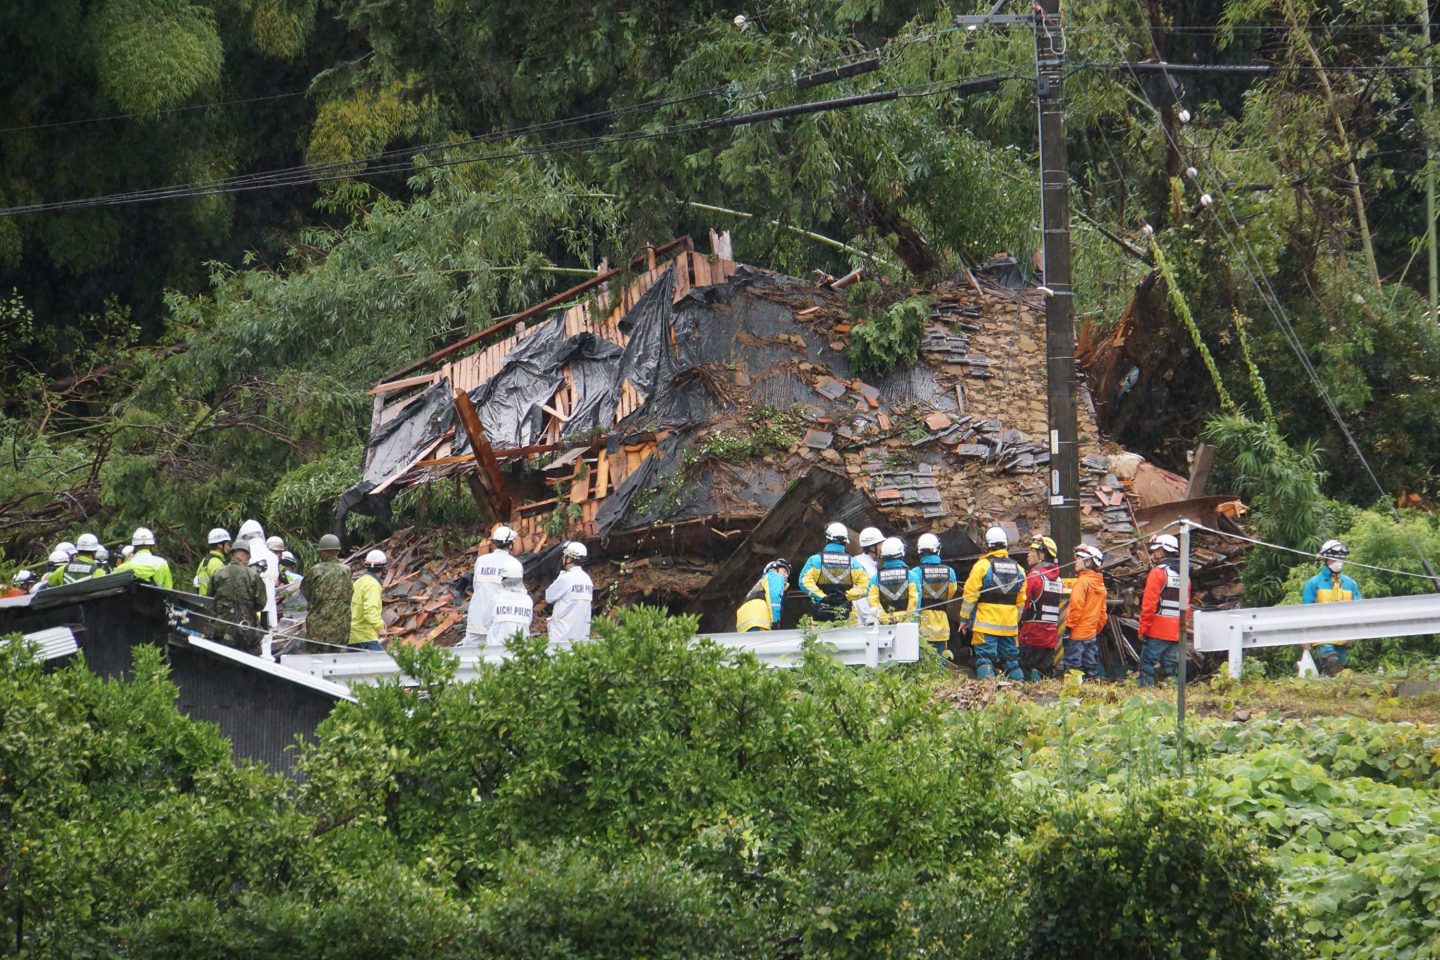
(560, 902)
(1159, 877)
(883, 339)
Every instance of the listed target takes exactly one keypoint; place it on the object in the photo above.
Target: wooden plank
(602, 475)
(1200, 466)
(449, 621)
(580, 489)
(506, 323)
(495, 504)
(391, 386)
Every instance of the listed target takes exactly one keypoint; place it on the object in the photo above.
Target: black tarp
(746, 324)
(509, 402)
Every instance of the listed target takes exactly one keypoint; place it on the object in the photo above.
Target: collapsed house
(690, 418)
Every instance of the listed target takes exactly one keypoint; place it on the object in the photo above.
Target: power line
(1272, 302)
(345, 169)
(818, 67)
(304, 176)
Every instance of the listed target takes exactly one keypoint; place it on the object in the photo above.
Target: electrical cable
(1305, 553)
(301, 176)
(1271, 299)
(818, 67)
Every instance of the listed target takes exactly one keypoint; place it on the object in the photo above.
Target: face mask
(1336, 565)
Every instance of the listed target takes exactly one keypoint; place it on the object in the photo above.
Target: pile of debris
(691, 418)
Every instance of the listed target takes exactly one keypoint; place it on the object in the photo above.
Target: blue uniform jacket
(1328, 586)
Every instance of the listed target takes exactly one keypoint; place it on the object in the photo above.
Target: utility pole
(1428, 128)
(1059, 309)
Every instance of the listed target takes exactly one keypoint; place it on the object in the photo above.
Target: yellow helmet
(1044, 545)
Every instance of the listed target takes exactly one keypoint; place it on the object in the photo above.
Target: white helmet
(502, 536)
(1333, 550)
(127, 551)
(88, 543)
(59, 556)
(928, 543)
(575, 550)
(376, 558)
(511, 570)
(837, 533)
(67, 546)
(217, 535)
(250, 529)
(22, 577)
(869, 537)
(892, 547)
(1092, 555)
(276, 544)
(997, 537)
(102, 554)
(287, 557)
(1164, 541)
(143, 537)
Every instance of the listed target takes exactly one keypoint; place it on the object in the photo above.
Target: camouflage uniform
(239, 597)
(327, 588)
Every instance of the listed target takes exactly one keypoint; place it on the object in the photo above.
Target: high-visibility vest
(1003, 582)
(80, 569)
(1046, 608)
(893, 584)
(1169, 608)
(835, 576)
(935, 580)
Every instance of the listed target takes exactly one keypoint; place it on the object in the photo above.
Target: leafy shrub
(1282, 486)
(1161, 877)
(560, 902)
(883, 339)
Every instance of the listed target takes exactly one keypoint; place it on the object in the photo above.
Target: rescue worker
(219, 542)
(367, 624)
(937, 586)
(894, 597)
(485, 583)
(264, 562)
(66, 547)
(239, 601)
(1331, 586)
(994, 597)
(869, 558)
(763, 605)
(571, 597)
(833, 579)
(1160, 612)
(1086, 615)
(58, 559)
(275, 545)
(511, 610)
(328, 589)
(144, 564)
(1045, 594)
(20, 584)
(126, 552)
(82, 564)
(290, 600)
(102, 557)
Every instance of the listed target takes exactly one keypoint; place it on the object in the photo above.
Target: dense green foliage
(636, 796)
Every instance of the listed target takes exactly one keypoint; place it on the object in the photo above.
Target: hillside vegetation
(193, 360)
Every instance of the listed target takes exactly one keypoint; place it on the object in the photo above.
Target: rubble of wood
(695, 418)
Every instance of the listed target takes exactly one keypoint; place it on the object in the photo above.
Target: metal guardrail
(857, 646)
(1235, 631)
